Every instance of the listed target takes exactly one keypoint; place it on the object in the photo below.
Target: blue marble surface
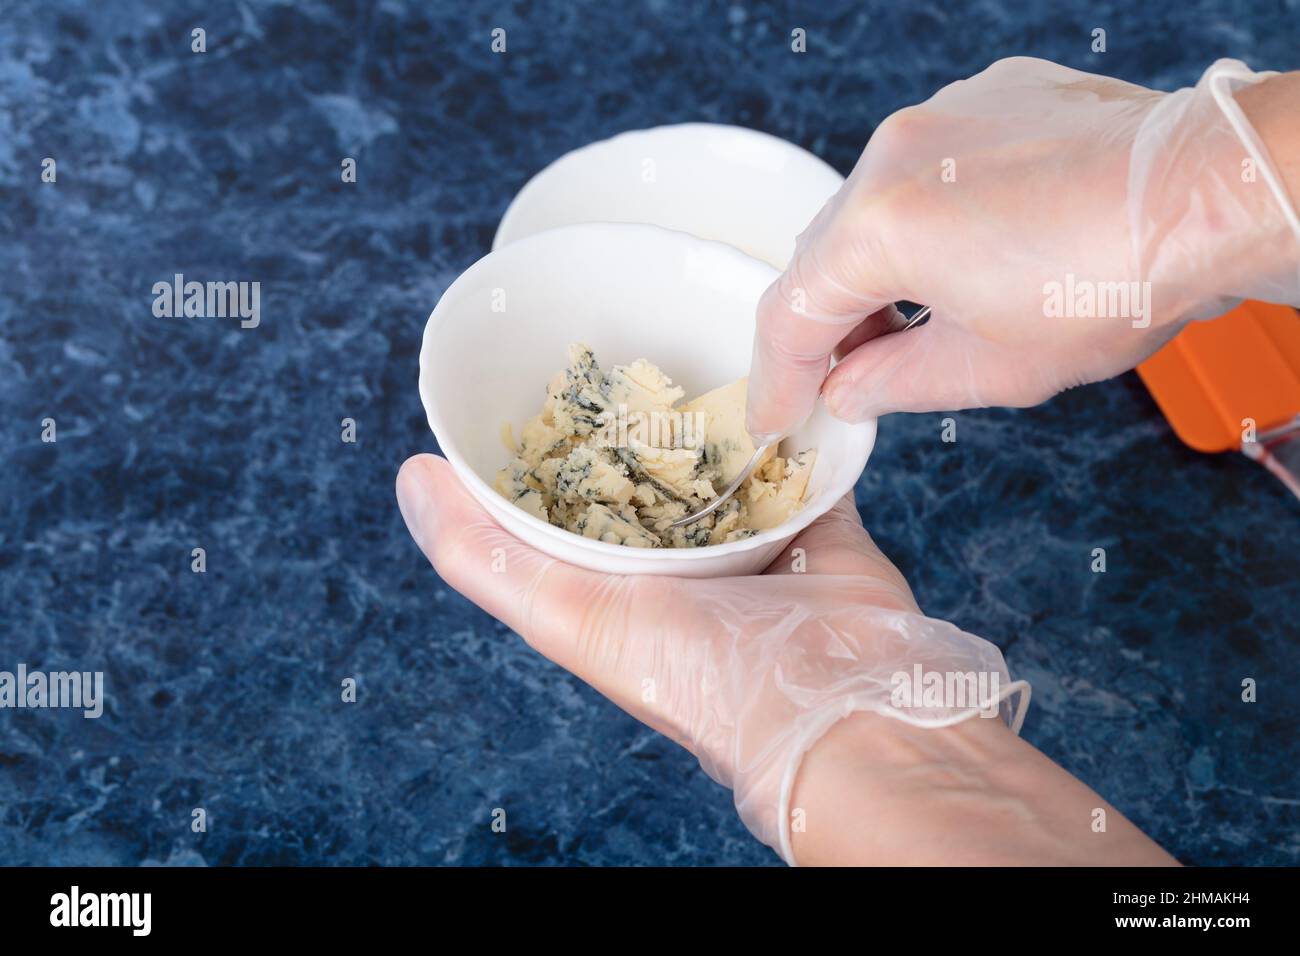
(182, 433)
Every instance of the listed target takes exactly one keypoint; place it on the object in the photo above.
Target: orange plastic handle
(1214, 375)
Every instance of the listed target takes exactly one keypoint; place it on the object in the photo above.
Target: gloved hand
(1004, 202)
(746, 673)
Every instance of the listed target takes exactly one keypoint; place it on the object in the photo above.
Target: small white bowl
(736, 185)
(630, 291)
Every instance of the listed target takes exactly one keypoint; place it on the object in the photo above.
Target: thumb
(606, 629)
(938, 366)
(541, 599)
(810, 309)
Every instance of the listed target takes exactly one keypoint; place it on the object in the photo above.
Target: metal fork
(748, 470)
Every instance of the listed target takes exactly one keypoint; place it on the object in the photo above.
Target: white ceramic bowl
(629, 291)
(736, 185)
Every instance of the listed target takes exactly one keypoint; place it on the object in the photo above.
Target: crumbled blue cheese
(615, 457)
(622, 527)
(587, 475)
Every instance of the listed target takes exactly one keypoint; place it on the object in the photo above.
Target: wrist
(862, 794)
(875, 791)
(1212, 222)
(1259, 110)
(1270, 105)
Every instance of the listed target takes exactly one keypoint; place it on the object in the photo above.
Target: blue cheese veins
(617, 456)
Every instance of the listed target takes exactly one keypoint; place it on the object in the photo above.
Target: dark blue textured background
(177, 433)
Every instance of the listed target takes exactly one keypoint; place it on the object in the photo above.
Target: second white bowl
(739, 186)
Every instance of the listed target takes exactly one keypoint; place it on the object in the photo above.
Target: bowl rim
(666, 130)
(861, 434)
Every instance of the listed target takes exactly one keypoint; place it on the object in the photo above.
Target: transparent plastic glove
(746, 673)
(1003, 202)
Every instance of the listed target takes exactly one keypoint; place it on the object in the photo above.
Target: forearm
(1259, 252)
(1273, 108)
(877, 791)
